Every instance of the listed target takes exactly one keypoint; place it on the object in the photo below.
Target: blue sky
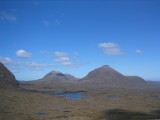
(77, 36)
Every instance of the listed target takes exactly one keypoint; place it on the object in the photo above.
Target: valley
(101, 100)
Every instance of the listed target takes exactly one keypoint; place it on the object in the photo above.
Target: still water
(70, 95)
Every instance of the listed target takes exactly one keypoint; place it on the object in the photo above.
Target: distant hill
(55, 76)
(106, 76)
(52, 80)
(102, 78)
(7, 79)
(154, 84)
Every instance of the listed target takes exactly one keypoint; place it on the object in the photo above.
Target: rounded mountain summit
(56, 76)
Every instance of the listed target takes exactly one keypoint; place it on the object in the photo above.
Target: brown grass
(18, 104)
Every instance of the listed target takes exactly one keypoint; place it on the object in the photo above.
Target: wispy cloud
(63, 59)
(138, 51)
(67, 63)
(110, 48)
(23, 54)
(37, 66)
(16, 66)
(6, 60)
(5, 16)
(60, 54)
(46, 53)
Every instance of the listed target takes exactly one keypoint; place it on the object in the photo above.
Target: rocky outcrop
(7, 79)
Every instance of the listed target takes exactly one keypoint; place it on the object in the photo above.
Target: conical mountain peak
(106, 76)
(102, 74)
(107, 70)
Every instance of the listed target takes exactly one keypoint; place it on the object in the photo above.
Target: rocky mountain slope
(7, 79)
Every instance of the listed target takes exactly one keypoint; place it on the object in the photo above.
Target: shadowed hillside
(120, 114)
(7, 79)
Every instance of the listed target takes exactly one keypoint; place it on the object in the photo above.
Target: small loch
(114, 97)
(40, 113)
(70, 95)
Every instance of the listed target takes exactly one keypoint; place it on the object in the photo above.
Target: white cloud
(37, 66)
(7, 17)
(63, 59)
(138, 51)
(23, 54)
(60, 54)
(110, 48)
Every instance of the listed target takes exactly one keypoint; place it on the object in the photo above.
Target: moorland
(107, 95)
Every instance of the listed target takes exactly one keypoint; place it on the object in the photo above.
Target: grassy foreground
(18, 104)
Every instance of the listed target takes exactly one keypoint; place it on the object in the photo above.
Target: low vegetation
(21, 104)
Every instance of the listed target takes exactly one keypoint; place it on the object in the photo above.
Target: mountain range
(100, 78)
